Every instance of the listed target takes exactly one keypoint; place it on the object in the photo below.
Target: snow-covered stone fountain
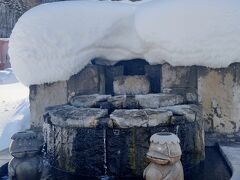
(104, 125)
(97, 105)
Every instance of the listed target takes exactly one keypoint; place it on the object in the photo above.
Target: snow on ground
(14, 107)
(53, 41)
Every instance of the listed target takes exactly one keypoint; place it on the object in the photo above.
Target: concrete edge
(235, 168)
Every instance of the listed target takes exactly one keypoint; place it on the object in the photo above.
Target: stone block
(180, 80)
(131, 85)
(178, 77)
(87, 101)
(191, 132)
(154, 73)
(191, 111)
(219, 96)
(111, 73)
(75, 139)
(70, 116)
(158, 100)
(90, 80)
(125, 118)
(42, 96)
(123, 102)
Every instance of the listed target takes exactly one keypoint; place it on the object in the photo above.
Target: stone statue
(27, 163)
(164, 153)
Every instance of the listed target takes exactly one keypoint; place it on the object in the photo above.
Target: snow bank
(14, 107)
(7, 76)
(53, 41)
(19, 121)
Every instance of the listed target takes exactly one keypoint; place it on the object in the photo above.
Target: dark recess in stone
(153, 73)
(110, 73)
(133, 67)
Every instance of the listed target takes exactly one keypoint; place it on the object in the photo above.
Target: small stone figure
(26, 164)
(164, 153)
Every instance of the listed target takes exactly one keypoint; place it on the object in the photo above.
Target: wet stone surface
(116, 144)
(82, 152)
(127, 150)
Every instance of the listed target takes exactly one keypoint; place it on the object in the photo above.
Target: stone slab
(88, 101)
(158, 100)
(192, 112)
(231, 153)
(131, 85)
(70, 116)
(125, 118)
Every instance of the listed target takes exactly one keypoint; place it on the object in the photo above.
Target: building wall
(11, 10)
(4, 58)
(219, 95)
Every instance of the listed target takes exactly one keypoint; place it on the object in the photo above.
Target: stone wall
(216, 90)
(219, 95)
(42, 96)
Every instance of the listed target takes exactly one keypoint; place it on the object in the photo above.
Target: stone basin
(95, 142)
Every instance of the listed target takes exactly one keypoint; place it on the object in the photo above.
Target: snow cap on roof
(51, 42)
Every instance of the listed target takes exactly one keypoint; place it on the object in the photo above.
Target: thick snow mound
(14, 107)
(54, 41)
(19, 121)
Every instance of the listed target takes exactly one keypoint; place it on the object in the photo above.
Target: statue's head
(25, 144)
(164, 148)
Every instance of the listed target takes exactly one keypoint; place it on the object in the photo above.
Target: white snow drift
(14, 107)
(54, 41)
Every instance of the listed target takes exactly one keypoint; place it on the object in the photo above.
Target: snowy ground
(14, 107)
